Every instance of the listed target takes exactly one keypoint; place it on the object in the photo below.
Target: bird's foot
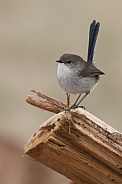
(82, 107)
(74, 107)
(71, 107)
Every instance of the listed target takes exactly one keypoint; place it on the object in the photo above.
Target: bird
(77, 76)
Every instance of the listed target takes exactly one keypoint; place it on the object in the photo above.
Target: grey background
(33, 35)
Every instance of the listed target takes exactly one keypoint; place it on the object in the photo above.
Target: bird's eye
(68, 62)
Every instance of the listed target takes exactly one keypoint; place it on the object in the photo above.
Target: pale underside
(71, 83)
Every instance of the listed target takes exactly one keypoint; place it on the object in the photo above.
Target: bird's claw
(82, 107)
(74, 107)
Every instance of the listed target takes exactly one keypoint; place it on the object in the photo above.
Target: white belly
(71, 83)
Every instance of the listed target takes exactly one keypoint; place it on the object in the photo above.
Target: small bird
(75, 75)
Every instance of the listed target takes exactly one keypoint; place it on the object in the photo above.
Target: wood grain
(79, 146)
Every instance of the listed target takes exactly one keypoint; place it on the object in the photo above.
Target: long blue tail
(93, 33)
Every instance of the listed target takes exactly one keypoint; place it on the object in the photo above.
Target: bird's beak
(59, 61)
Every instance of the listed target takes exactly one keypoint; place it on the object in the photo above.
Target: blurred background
(33, 35)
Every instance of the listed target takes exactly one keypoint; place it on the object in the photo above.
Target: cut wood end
(43, 134)
(71, 144)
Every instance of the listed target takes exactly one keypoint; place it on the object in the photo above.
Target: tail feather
(93, 33)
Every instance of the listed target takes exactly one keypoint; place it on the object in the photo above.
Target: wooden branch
(48, 103)
(79, 146)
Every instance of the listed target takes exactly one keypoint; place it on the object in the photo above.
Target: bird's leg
(82, 99)
(76, 100)
(67, 100)
(74, 105)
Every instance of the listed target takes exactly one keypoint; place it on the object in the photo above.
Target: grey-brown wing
(90, 71)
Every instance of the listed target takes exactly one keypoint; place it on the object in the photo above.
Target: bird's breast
(71, 82)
